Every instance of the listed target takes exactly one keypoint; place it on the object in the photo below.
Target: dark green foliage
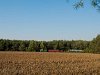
(21, 45)
(32, 46)
(42, 46)
(2, 44)
(15, 45)
(41, 50)
(95, 45)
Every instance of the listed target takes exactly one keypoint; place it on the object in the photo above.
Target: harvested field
(31, 63)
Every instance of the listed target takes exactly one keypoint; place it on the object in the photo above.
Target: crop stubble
(32, 63)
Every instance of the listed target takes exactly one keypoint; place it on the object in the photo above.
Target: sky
(47, 20)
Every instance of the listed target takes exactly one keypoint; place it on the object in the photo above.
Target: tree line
(44, 46)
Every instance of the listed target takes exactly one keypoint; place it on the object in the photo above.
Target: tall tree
(15, 45)
(42, 45)
(2, 44)
(95, 45)
(32, 46)
(55, 44)
(22, 46)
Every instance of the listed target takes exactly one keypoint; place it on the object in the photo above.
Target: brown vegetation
(28, 63)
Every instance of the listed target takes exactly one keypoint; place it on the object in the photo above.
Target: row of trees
(37, 46)
(94, 46)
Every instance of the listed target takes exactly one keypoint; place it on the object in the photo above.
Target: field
(31, 63)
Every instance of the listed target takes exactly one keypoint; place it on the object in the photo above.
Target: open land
(35, 63)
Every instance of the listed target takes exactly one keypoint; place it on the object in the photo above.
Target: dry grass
(28, 63)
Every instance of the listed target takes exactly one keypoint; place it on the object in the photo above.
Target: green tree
(60, 45)
(42, 45)
(2, 44)
(14, 45)
(55, 44)
(22, 46)
(32, 46)
(95, 45)
(8, 45)
(67, 45)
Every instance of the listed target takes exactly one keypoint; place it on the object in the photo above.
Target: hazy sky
(47, 20)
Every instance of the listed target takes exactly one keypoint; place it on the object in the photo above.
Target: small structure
(55, 51)
(74, 50)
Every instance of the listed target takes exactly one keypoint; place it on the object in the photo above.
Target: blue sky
(47, 20)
